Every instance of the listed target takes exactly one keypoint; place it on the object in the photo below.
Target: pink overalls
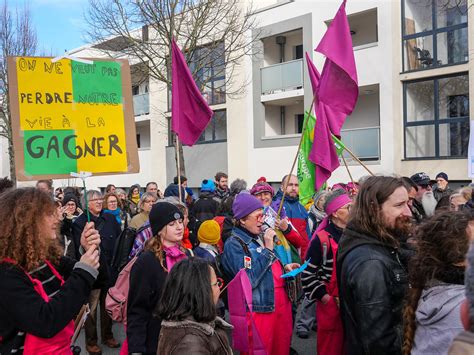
(276, 328)
(330, 340)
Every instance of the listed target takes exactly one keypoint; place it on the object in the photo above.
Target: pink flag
(245, 336)
(337, 94)
(314, 76)
(190, 113)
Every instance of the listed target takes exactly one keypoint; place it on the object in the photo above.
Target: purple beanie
(261, 187)
(244, 204)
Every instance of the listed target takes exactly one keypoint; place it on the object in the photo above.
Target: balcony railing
(141, 104)
(282, 77)
(364, 142)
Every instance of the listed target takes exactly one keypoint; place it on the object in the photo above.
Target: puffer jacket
(298, 217)
(372, 285)
(438, 319)
(191, 337)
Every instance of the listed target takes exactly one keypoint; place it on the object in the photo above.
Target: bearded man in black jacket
(371, 267)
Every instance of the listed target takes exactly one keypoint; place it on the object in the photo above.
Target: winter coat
(205, 208)
(298, 217)
(438, 193)
(22, 309)
(147, 279)
(438, 319)
(139, 220)
(173, 190)
(191, 337)
(372, 285)
(109, 231)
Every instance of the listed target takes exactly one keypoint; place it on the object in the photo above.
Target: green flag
(306, 168)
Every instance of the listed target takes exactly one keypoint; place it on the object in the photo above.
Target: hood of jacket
(438, 302)
(206, 328)
(206, 194)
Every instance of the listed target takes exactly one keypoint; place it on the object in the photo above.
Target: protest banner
(69, 116)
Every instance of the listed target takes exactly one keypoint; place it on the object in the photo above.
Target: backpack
(117, 296)
(122, 248)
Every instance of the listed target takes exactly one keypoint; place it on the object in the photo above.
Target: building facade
(413, 113)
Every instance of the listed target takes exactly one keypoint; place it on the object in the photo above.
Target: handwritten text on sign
(71, 115)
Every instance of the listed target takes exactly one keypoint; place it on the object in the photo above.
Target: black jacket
(372, 282)
(109, 231)
(205, 207)
(23, 309)
(147, 279)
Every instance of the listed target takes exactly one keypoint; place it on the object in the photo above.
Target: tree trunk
(11, 153)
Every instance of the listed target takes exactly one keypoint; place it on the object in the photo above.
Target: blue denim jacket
(260, 273)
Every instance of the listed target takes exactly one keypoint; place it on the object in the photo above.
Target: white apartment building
(412, 115)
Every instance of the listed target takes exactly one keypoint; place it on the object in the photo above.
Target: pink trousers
(276, 328)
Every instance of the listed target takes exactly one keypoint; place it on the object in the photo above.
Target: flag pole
(285, 183)
(178, 167)
(347, 168)
(358, 160)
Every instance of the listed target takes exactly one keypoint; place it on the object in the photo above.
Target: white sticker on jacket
(247, 262)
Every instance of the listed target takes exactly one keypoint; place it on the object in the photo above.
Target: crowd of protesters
(383, 267)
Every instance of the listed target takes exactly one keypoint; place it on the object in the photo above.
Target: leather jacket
(259, 267)
(191, 337)
(372, 280)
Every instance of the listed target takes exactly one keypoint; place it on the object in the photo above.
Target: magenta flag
(245, 336)
(190, 113)
(337, 94)
(314, 76)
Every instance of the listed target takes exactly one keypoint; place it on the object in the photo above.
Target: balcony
(363, 142)
(141, 104)
(282, 77)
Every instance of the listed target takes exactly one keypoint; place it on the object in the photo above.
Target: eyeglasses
(219, 283)
(97, 200)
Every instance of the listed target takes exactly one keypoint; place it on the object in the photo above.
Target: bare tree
(215, 35)
(17, 38)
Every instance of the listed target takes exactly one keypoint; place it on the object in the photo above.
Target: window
(298, 52)
(434, 33)
(299, 120)
(436, 117)
(216, 130)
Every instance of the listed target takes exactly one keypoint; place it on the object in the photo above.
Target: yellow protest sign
(69, 116)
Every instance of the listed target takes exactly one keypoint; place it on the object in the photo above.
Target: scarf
(186, 242)
(115, 213)
(173, 255)
(135, 199)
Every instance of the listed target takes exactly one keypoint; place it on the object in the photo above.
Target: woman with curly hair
(37, 307)
(436, 275)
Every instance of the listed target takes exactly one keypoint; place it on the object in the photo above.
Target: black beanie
(161, 214)
(70, 197)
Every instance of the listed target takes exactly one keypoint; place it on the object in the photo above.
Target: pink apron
(60, 344)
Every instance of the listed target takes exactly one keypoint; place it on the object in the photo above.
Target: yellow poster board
(69, 116)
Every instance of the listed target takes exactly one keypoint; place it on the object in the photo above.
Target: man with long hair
(371, 274)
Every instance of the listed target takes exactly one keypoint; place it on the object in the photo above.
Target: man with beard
(371, 274)
(424, 203)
